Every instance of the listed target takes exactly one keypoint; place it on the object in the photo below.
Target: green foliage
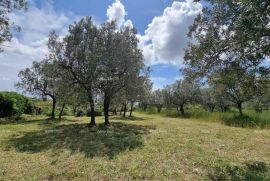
(12, 103)
(250, 120)
(6, 7)
(251, 171)
(6, 106)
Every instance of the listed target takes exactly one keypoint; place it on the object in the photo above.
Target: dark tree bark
(211, 108)
(106, 105)
(159, 107)
(182, 109)
(131, 109)
(53, 108)
(239, 106)
(62, 110)
(115, 111)
(93, 116)
(145, 107)
(125, 110)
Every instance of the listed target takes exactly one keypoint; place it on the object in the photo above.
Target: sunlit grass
(147, 147)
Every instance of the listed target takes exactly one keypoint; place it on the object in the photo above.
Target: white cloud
(160, 82)
(165, 38)
(129, 24)
(30, 44)
(116, 12)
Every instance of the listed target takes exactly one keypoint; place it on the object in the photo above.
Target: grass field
(146, 147)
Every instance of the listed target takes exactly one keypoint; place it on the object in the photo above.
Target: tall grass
(249, 119)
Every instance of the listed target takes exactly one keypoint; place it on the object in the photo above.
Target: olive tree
(208, 98)
(241, 84)
(78, 55)
(40, 79)
(182, 92)
(158, 99)
(120, 61)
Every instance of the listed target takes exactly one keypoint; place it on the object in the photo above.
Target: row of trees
(90, 64)
(211, 97)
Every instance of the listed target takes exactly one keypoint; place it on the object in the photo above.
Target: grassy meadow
(145, 147)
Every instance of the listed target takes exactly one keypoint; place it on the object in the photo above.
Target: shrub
(249, 120)
(12, 103)
(252, 170)
(97, 113)
(6, 106)
(79, 113)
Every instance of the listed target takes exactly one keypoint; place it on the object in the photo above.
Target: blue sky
(162, 27)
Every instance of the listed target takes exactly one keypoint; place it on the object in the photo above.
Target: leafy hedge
(12, 103)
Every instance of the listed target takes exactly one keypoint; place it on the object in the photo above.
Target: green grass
(147, 147)
(250, 119)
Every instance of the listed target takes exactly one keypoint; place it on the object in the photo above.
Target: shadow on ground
(100, 141)
(252, 171)
(24, 121)
(128, 118)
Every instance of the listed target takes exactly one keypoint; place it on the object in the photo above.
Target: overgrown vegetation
(250, 119)
(12, 103)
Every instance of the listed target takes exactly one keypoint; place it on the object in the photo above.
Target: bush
(12, 103)
(79, 113)
(6, 106)
(252, 170)
(97, 113)
(249, 120)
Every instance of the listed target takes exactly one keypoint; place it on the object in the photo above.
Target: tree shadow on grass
(101, 141)
(24, 121)
(128, 118)
(18, 120)
(252, 171)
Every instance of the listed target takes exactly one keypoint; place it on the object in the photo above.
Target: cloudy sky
(162, 27)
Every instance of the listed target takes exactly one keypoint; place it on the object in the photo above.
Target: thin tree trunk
(182, 109)
(212, 108)
(125, 110)
(106, 104)
(93, 116)
(61, 112)
(53, 108)
(239, 106)
(121, 110)
(131, 109)
(159, 107)
(145, 107)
